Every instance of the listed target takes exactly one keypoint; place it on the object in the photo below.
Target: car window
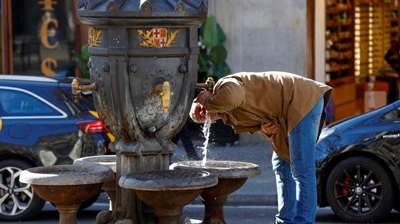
(68, 99)
(20, 103)
(394, 114)
(87, 101)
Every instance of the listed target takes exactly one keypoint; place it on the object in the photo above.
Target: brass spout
(165, 91)
(208, 85)
(77, 89)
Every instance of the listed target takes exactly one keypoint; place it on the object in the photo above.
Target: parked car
(358, 165)
(40, 125)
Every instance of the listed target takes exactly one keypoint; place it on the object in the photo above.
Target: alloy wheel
(15, 196)
(359, 189)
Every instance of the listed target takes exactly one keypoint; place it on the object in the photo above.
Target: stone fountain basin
(109, 161)
(166, 180)
(222, 169)
(231, 174)
(67, 184)
(168, 188)
(104, 160)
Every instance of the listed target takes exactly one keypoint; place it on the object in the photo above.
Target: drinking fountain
(231, 176)
(67, 186)
(143, 67)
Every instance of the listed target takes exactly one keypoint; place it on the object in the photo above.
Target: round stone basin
(67, 184)
(168, 191)
(109, 161)
(222, 169)
(61, 175)
(231, 176)
(110, 187)
(168, 180)
(105, 160)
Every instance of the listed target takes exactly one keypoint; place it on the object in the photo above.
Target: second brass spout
(77, 89)
(208, 85)
(165, 91)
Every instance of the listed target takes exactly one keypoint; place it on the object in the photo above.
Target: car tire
(18, 200)
(360, 190)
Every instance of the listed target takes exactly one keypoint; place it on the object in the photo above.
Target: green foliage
(213, 54)
(82, 59)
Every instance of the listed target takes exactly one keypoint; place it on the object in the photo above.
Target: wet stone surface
(105, 160)
(66, 175)
(161, 180)
(222, 169)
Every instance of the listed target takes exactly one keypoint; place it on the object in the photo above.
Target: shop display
(358, 34)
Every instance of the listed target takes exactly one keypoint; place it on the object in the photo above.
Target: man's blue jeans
(296, 181)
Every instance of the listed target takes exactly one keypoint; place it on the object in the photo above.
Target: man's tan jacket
(246, 100)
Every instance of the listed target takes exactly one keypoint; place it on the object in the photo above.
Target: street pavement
(232, 215)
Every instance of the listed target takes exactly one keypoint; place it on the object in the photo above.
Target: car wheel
(359, 189)
(17, 200)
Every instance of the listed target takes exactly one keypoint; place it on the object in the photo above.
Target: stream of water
(206, 133)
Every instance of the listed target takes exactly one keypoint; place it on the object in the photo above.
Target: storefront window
(43, 36)
(376, 27)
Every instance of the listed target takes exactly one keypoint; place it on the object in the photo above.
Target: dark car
(40, 125)
(358, 165)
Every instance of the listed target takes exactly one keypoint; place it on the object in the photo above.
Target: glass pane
(16, 103)
(394, 114)
(43, 36)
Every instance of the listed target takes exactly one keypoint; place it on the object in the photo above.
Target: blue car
(358, 165)
(40, 125)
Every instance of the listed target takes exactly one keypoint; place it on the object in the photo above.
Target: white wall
(264, 35)
(320, 41)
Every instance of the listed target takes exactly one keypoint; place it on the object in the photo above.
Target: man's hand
(269, 128)
(198, 113)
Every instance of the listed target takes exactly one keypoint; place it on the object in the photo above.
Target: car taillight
(91, 127)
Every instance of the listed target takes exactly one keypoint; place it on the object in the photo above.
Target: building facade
(339, 42)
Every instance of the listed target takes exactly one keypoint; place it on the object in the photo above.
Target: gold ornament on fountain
(165, 92)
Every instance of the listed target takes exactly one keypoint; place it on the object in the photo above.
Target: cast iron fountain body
(143, 65)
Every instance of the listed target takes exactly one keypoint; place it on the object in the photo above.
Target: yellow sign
(47, 30)
(158, 37)
(48, 4)
(1, 124)
(45, 33)
(47, 66)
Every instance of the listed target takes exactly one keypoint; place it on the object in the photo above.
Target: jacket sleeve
(228, 94)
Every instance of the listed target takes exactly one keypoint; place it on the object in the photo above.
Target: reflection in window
(394, 114)
(43, 37)
(17, 104)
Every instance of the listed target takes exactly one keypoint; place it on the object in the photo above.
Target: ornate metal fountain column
(143, 63)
